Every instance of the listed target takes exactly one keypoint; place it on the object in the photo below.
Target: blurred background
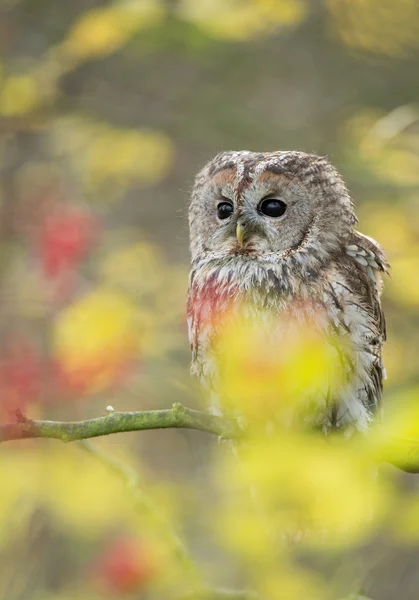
(107, 111)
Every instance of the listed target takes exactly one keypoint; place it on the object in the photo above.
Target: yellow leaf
(95, 336)
(330, 502)
(402, 416)
(291, 583)
(109, 159)
(387, 143)
(234, 20)
(18, 95)
(261, 383)
(20, 477)
(124, 157)
(138, 266)
(378, 26)
(390, 225)
(83, 495)
(102, 31)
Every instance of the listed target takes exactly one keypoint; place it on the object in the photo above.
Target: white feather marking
(361, 260)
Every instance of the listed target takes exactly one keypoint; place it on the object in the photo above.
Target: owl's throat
(243, 250)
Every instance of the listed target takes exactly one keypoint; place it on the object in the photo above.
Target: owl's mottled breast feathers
(310, 255)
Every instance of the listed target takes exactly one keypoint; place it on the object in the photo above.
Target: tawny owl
(277, 230)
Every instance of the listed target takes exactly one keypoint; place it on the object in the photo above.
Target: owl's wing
(192, 330)
(372, 259)
(370, 262)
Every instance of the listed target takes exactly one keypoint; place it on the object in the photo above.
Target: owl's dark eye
(224, 210)
(272, 207)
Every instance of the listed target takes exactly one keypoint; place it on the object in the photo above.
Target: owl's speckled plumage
(310, 256)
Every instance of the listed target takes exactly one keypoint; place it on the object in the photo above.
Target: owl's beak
(240, 231)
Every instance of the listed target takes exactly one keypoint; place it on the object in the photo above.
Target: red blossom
(124, 566)
(83, 380)
(66, 235)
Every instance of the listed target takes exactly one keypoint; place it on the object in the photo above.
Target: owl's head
(268, 205)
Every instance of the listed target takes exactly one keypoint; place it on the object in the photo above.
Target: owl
(275, 232)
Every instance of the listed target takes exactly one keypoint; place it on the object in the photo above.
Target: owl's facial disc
(265, 206)
(254, 213)
(252, 223)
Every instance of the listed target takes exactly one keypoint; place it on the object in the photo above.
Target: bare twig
(403, 453)
(144, 504)
(118, 422)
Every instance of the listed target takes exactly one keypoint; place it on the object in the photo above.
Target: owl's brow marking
(274, 168)
(245, 174)
(229, 166)
(270, 165)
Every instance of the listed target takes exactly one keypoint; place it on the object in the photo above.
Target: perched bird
(275, 231)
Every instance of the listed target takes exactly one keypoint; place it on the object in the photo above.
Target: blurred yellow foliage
(388, 143)
(126, 157)
(19, 94)
(243, 20)
(378, 26)
(104, 30)
(137, 266)
(390, 225)
(140, 268)
(402, 417)
(287, 493)
(319, 492)
(396, 230)
(269, 367)
(398, 358)
(404, 287)
(405, 527)
(78, 493)
(108, 159)
(140, 271)
(292, 583)
(95, 336)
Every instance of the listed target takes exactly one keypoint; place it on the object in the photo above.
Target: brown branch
(118, 422)
(403, 453)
